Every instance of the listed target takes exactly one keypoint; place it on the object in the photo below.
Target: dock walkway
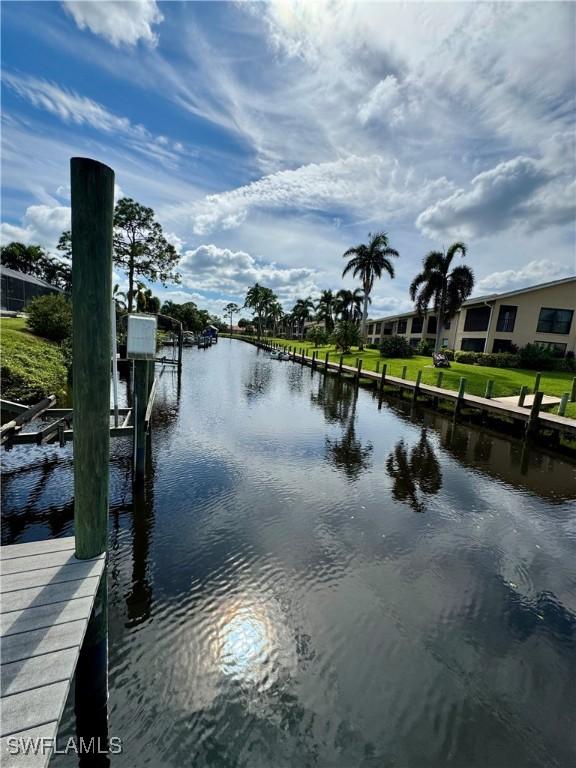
(47, 598)
(561, 424)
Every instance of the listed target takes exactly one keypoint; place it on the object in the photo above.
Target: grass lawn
(32, 367)
(507, 381)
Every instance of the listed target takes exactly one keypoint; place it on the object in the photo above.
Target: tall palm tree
(275, 313)
(302, 311)
(325, 309)
(439, 288)
(349, 304)
(368, 262)
(259, 299)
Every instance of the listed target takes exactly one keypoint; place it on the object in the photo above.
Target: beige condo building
(542, 314)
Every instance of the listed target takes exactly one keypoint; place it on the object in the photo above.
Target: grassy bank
(32, 367)
(507, 381)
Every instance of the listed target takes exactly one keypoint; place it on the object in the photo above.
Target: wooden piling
(326, 357)
(403, 374)
(416, 386)
(563, 403)
(341, 363)
(537, 382)
(358, 371)
(382, 379)
(140, 403)
(489, 388)
(459, 401)
(522, 396)
(180, 348)
(92, 199)
(534, 411)
(439, 378)
(377, 366)
(573, 392)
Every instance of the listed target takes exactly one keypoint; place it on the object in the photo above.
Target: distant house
(18, 289)
(541, 314)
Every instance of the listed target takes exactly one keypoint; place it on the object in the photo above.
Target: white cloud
(364, 186)
(41, 225)
(537, 271)
(117, 21)
(525, 192)
(212, 268)
(73, 108)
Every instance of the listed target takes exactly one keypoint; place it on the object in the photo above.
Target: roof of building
(27, 278)
(486, 298)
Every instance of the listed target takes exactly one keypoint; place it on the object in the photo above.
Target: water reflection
(335, 398)
(347, 454)
(258, 380)
(416, 474)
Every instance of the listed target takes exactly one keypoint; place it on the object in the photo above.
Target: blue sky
(269, 137)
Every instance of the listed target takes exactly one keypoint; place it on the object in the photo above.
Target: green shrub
(50, 316)
(448, 353)
(425, 348)
(395, 346)
(346, 335)
(498, 359)
(534, 357)
(318, 336)
(469, 358)
(372, 346)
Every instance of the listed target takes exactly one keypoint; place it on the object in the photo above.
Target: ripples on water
(308, 581)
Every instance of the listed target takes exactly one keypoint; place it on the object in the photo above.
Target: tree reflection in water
(416, 474)
(259, 379)
(347, 453)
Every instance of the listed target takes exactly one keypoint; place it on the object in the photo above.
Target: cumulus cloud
(524, 191)
(366, 186)
(41, 225)
(211, 268)
(117, 21)
(537, 271)
(71, 107)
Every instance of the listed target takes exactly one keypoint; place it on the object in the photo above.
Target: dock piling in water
(92, 198)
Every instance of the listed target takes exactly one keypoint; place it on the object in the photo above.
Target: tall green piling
(92, 199)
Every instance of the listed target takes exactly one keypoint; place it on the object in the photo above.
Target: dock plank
(47, 599)
(34, 759)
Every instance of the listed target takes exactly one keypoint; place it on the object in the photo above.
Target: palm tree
(368, 262)
(349, 304)
(231, 309)
(276, 314)
(119, 297)
(302, 311)
(259, 299)
(325, 309)
(438, 287)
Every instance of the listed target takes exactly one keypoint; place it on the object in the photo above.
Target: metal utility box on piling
(141, 337)
(92, 200)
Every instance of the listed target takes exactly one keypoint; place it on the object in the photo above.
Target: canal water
(307, 580)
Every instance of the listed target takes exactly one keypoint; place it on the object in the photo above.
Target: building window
(477, 319)
(402, 325)
(414, 341)
(504, 345)
(445, 342)
(388, 329)
(446, 325)
(506, 318)
(417, 324)
(556, 347)
(377, 328)
(472, 345)
(370, 329)
(432, 324)
(554, 320)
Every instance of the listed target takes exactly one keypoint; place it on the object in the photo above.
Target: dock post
(573, 392)
(340, 365)
(326, 357)
(537, 382)
(382, 380)
(92, 195)
(416, 386)
(180, 347)
(534, 411)
(403, 374)
(563, 403)
(377, 366)
(314, 353)
(358, 370)
(461, 391)
(489, 387)
(439, 379)
(140, 403)
(522, 396)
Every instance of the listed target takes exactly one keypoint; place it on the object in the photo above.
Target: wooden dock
(47, 598)
(498, 407)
